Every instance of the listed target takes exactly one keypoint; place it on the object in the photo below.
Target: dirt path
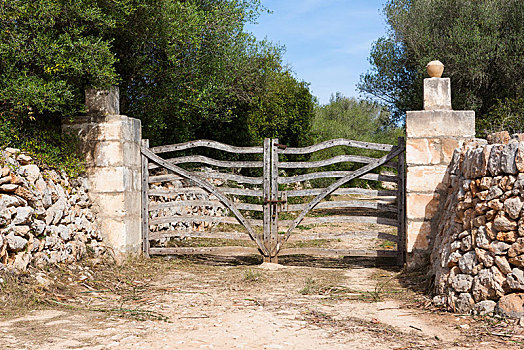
(249, 307)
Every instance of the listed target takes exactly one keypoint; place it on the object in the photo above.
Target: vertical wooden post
(145, 201)
(274, 200)
(267, 196)
(401, 202)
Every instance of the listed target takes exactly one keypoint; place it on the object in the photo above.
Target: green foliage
(507, 114)
(352, 119)
(48, 146)
(480, 42)
(189, 71)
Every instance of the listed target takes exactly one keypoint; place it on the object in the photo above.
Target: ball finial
(435, 69)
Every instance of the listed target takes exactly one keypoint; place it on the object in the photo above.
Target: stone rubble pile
(478, 252)
(45, 217)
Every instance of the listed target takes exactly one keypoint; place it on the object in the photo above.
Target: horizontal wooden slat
(330, 161)
(211, 175)
(306, 236)
(211, 161)
(341, 192)
(238, 236)
(336, 142)
(334, 174)
(346, 204)
(343, 219)
(197, 218)
(222, 251)
(297, 237)
(173, 193)
(164, 178)
(153, 206)
(206, 143)
(338, 252)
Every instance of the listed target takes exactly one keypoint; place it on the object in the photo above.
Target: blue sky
(327, 41)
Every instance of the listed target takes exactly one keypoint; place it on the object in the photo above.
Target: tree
(480, 42)
(186, 68)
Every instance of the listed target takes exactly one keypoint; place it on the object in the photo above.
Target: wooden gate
(272, 191)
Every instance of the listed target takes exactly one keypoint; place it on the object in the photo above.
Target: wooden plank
(221, 251)
(330, 161)
(336, 142)
(154, 206)
(211, 161)
(347, 204)
(342, 192)
(335, 174)
(267, 193)
(338, 252)
(401, 189)
(198, 218)
(222, 176)
(274, 197)
(350, 218)
(164, 178)
(305, 236)
(237, 236)
(211, 189)
(329, 190)
(173, 193)
(145, 202)
(298, 237)
(206, 143)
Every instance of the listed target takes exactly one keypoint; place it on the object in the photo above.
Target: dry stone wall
(478, 252)
(45, 217)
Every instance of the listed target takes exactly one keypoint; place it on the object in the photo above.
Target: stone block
(417, 235)
(103, 102)
(119, 205)
(104, 154)
(421, 205)
(111, 179)
(448, 146)
(437, 94)
(427, 178)
(423, 151)
(460, 124)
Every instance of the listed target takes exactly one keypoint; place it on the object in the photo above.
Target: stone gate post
(432, 136)
(111, 144)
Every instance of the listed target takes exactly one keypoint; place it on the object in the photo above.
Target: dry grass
(90, 285)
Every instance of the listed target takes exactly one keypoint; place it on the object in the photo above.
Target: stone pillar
(432, 136)
(111, 144)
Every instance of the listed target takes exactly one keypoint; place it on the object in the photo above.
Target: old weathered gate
(271, 194)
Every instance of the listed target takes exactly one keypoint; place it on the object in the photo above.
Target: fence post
(401, 203)
(432, 136)
(145, 201)
(111, 144)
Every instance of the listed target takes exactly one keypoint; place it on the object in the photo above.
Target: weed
(252, 276)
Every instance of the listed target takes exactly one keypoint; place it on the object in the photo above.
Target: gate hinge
(281, 146)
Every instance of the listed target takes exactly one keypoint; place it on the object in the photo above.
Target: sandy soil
(264, 306)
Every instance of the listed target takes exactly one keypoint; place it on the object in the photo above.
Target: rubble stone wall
(45, 217)
(477, 257)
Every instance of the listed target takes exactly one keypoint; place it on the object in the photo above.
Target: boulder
(484, 307)
(511, 305)
(513, 206)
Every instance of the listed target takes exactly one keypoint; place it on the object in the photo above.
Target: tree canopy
(186, 68)
(480, 43)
